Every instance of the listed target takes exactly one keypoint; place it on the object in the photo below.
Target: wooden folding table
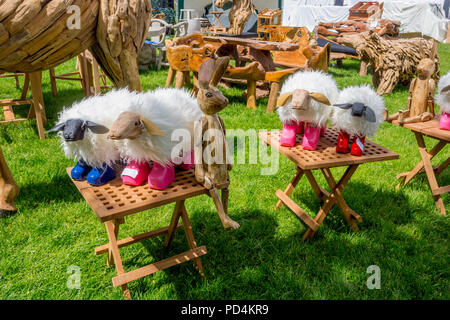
(324, 158)
(429, 129)
(113, 201)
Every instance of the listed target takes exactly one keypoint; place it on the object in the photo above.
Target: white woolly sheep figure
(312, 81)
(442, 99)
(96, 149)
(342, 119)
(169, 110)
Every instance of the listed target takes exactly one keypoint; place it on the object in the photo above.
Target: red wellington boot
(323, 130)
(311, 136)
(342, 142)
(357, 145)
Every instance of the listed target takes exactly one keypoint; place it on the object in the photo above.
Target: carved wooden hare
(421, 95)
(211, 150)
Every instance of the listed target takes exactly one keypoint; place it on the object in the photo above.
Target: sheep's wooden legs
(38, 102)
(8, 187)
(329, 198)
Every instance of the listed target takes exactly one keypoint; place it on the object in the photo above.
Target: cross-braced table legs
(330, 199)
(431, 172)
(112, 248)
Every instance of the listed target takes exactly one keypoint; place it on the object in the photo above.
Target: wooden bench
(114, 201)
(324, 158)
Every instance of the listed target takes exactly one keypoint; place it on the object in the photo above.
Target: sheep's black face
(74, 130)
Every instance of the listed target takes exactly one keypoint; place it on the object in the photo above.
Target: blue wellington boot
(80, 171)
(100, 176)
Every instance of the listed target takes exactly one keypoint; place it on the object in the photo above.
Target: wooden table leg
(291, 186)
(190, 237)
(170, 77)
(110, 258)
(320, 192)
(251, 94)
(330, 201)
(38, 102)
(430, 172)
(173, 223)
(111, 230)
(349, 215)
(274, 90)
(408, 176)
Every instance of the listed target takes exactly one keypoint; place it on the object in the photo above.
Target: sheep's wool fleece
(174, 111)
(312, 81)
(96, 149)
(342, 119)
(441, 99)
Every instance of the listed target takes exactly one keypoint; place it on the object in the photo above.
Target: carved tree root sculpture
(8, 188)
(36, 35)
(241, 11)
(392, 61)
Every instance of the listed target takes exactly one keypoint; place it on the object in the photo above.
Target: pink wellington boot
(288, 134)
(188, 161)
(301, 127)
(311, 137)
(135, 173)
(323, 130)
(444, 122)
(161, 176)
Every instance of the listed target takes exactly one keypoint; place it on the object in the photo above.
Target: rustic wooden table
(114, 201)
(259, 54)
(324, 158)
(429, 129)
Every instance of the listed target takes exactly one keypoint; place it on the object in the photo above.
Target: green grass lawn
(402, 232)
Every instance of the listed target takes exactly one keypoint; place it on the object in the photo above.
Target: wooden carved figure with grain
(211, 150)
(421, 95)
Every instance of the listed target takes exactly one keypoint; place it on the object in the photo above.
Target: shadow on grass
(33, 194)
(255, 260)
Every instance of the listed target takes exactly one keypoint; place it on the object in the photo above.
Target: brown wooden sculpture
(8, 188)
(38, 35)
(392, 61)
(421, 96)
(211, 150)
(240, 12)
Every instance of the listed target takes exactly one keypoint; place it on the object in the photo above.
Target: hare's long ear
(151, 127)
(220, 66)
(283, 99)
(205, 73)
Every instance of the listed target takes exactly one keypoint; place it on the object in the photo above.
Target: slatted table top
(115, 200)
(428, 128)
(326, 156)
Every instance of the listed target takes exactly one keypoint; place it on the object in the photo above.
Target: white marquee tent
(424, 16)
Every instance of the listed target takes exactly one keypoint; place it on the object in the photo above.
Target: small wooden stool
(324, 158)
(113, 201)
(429, 129)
